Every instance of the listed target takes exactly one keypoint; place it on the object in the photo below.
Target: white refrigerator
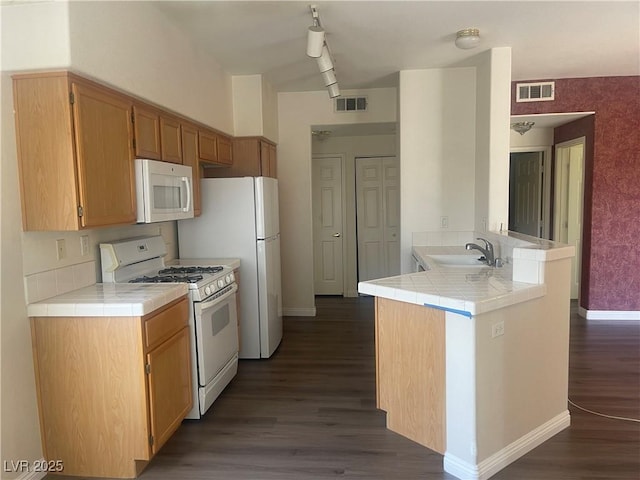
(240, 220)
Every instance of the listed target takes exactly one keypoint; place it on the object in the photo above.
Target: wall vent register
(351, 104)
(535, 92)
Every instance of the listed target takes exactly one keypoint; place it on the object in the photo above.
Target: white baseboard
(299, 312)
(509, 454)
(33, 475)
(608, 314)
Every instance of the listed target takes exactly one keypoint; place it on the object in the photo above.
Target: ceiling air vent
(535, 92)
(351, 104)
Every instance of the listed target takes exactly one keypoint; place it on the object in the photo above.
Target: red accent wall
(611, 236)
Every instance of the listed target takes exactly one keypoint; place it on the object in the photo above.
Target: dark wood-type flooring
(308, 413)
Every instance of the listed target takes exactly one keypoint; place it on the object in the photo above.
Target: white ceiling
(372, 40)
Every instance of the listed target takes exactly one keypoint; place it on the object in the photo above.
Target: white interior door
(327, 226)
(568, 203)
(525, 193)
(378, 217)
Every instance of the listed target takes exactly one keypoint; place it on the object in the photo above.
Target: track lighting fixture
(318, 48)
(315, 35)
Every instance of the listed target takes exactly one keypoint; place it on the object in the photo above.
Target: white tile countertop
(466, 290)
(109, 300)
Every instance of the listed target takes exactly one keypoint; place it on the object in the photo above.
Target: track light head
(324, 60)
(329, 77)
(315, 41)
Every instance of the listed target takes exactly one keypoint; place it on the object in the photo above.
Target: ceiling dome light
(468, 38)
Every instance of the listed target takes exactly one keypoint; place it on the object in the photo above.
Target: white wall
(42, 35)
(352, 147)
(269, 112)
(437, 152)
(104, 41)
(40, 31)
(493, 94)
(134, 46)
(255, 107)
(297, 112)
(247, 105)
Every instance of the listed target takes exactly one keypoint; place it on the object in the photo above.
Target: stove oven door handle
(218, 299)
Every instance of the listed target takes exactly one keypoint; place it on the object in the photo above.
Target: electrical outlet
(497, 329)
(84, 245)
(61, 248)
(444, 222)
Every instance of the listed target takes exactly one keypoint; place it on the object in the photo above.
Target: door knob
(336, 235)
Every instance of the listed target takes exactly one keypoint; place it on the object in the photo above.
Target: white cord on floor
(604, 415)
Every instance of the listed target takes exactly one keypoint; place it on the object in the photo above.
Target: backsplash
(503, 243)
(43, 285)
(46, 276)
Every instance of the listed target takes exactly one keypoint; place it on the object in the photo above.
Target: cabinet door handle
(336, 235)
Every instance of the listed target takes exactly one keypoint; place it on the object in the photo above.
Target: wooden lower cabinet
(410, 371)
(111, 390)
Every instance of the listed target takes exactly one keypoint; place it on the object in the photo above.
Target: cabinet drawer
(160, 326)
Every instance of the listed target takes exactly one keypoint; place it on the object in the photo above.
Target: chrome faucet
(489, 256)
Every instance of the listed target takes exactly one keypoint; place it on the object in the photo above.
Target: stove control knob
(207, 290)
(227, 279)
(221, 283)
(232, 277)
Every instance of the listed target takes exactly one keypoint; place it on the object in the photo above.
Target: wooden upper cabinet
(75, 155)
(252, 157)
(146, 121)
(215, 148)
(77, 141)
(268, 161)
(190, 157)
(225, 150)
(207, 143)
(170, 139)
(157, 134)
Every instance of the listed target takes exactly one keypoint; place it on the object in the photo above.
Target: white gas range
(212, 313)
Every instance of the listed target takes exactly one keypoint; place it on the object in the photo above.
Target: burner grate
(168, 279)
(190, 270)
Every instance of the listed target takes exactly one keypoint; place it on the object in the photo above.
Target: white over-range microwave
(164, 191)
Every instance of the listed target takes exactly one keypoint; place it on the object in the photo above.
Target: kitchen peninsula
(472, 360)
